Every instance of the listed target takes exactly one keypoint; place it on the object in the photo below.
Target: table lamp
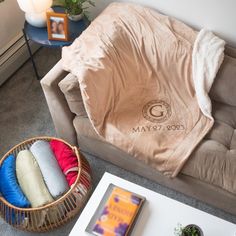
(35, 11)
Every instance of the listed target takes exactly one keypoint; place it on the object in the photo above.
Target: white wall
(11, 22)
(216, 15)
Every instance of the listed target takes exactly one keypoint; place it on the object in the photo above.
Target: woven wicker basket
(57, 213)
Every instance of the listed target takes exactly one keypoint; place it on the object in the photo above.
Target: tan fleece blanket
(135, 70)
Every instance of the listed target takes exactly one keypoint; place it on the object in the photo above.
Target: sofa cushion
(213, 161)
(70, 88)
(84, 127)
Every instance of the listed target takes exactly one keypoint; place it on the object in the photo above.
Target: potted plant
(75, 8)
(189, 230)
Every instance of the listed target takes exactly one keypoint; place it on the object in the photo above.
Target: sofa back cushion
(224, 87)
(70, 88)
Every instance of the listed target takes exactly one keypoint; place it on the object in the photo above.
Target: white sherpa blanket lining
(207, 56)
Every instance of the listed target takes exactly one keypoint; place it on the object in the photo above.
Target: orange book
(118, 214)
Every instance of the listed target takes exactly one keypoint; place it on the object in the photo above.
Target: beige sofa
(210, 173)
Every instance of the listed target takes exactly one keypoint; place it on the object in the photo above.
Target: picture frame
(57, 26)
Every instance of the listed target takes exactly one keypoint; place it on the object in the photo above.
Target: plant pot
(198, 229)
(76, 17)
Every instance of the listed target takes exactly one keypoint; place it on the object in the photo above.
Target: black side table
(40, 35)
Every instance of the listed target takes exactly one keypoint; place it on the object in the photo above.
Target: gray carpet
(24, 114)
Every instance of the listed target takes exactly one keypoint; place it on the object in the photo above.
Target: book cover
(116, 213)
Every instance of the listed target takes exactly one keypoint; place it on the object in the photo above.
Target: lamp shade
(35, 11)
(34, 6)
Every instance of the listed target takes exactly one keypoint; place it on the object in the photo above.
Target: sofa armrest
(61, 115)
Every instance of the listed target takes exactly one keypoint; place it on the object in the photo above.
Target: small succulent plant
(189, 230)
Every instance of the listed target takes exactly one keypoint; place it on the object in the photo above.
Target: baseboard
(13, 56)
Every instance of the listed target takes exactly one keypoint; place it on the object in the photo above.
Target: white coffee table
(159, 216)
